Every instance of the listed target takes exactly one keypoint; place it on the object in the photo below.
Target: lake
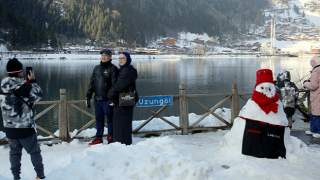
(156, 77)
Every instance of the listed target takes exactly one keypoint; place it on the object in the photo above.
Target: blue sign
(147, 101)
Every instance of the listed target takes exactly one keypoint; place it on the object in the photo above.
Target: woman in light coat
(314, 85)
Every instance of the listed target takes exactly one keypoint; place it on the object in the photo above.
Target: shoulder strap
(315, 67)
(29, 105)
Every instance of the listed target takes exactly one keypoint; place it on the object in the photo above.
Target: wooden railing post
(63, 116)
(235, 103)
(183, 110)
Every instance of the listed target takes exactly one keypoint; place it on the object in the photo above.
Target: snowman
(261, 128)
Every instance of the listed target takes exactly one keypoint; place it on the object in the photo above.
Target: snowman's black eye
(262, 88)
(269, 89)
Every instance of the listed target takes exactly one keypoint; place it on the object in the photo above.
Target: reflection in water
(156, 77)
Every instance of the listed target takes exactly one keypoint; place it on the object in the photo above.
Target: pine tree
(53, 42)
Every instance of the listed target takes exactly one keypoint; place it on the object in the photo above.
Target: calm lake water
(156, 77)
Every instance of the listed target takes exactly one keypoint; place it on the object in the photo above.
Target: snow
(170, 157)
(3, 48)
(312, 16)
(300, 46)
(252, 111)
(192, 36)
(278, 44)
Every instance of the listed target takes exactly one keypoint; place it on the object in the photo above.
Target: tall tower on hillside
(273, 36)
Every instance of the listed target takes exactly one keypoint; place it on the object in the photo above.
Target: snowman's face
(267, 89)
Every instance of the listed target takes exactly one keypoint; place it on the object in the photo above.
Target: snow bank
(167, 157)
(150, 159)
(172, 157)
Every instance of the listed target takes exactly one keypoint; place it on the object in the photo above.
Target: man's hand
(88, 102)
(31, 75)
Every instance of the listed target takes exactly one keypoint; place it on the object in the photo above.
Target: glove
(308, 80)
(111, 103)
(88, 102)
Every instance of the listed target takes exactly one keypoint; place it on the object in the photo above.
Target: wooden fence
(184, 127)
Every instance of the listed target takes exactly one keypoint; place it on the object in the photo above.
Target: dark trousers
(315, 124)
(102, 109)
(122, 124)
(30, 144)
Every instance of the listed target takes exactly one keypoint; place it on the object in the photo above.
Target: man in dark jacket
(104, 76)
(17, 96)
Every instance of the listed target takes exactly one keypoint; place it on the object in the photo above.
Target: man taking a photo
(17, 98)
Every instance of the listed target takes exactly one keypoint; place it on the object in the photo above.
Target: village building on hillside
(211, 43)
(169, 41)
(198, 41)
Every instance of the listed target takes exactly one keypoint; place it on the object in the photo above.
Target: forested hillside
(261, 4)
(31, 23)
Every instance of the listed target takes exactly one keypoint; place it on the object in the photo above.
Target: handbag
(127, 97)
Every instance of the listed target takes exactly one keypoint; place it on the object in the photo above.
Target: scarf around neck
(265, 103)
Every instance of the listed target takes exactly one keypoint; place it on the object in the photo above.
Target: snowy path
(168, 157)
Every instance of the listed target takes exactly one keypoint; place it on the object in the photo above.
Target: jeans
(315, 124)
(102, 109)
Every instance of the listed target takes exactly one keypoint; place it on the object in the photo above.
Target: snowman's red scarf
(265, 103)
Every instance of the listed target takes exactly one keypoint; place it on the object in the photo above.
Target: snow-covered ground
(192, 36)
(170, 157)
(278, 44)
(301, 46)
(312, 16)
(3, 48)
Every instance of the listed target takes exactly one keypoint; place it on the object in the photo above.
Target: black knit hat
(14, 66)
(107, 51)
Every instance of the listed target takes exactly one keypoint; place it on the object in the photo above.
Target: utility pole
(273, 36)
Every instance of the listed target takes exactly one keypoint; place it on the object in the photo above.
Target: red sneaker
(110, 139)
(96, 141)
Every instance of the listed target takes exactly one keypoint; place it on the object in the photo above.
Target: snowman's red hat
(263, 76)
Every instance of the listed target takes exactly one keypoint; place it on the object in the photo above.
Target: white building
(265, 47)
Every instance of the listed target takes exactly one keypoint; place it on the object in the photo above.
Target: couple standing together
(106, 82)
